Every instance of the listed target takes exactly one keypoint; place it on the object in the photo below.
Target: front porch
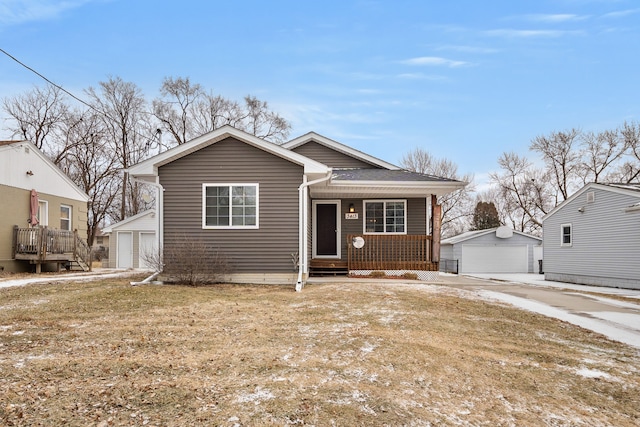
(393, 254)
(43, 245)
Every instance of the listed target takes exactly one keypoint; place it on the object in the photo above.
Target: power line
(50, 82)
(66, 91)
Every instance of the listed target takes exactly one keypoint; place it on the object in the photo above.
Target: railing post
(14, 244)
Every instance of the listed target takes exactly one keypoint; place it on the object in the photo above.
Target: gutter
(302, 225)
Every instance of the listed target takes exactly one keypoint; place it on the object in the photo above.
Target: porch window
(566, 235)
(65, 217)
(230, 206)
(385, 216)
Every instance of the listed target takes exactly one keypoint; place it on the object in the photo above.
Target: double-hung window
(230, 206)
(385, 216)
(65, 217)
(566, 235)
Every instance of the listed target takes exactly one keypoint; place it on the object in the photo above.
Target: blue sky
(465, 80)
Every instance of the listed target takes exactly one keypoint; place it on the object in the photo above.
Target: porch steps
(328, 267)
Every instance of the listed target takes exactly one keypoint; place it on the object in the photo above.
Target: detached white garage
(495, 250)
(131, 238)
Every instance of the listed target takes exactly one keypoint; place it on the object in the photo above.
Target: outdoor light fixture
(352, 208)
(581, 210)
(30, 173)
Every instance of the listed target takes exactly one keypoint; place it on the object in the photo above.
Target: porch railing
(43, 244)
(391, 252)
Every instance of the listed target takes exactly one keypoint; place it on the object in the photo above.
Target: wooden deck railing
(43, 244)
(391, 252)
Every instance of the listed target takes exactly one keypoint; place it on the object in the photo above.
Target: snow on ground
(98, 273)
(615, 331)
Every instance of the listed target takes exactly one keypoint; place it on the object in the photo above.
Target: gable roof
(335, 145)
(469, 235)
(129, 220)
(42, 182)
(149, 167)
(632, 189)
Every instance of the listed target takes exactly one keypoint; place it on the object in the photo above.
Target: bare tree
(123, 107)
(87, 160)
(37, 114)
(525, 193)
(559, 153)
(186, 111)
(457, 206)
(601, 151)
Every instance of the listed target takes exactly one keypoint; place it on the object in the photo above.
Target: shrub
(378, 274)
(410, 276)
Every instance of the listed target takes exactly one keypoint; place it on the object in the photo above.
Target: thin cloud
(435, 61)
(420, 76)
(20, 11)
(511, 33)
(621, 13)
(468, 49)
(555, 18)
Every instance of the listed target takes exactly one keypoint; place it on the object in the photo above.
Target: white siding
(605, 246)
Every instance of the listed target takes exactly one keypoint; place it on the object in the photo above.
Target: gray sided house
(43, 214)
(593, 237)
(495, 250)
(282, 212)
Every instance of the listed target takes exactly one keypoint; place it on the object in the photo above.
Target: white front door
(125, 250)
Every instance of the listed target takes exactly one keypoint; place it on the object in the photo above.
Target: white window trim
(43, 217)
(70, 217)
(229, 227)
(385, 201)
(562, 243)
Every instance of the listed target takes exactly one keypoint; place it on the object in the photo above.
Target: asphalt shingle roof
(384, 175)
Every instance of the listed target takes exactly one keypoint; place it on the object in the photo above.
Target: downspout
(303, 213)
(160, 214)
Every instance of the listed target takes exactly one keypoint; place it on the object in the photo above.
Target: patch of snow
(592, 373)
(612, 331)
(368, 348)
(256, 397)
(18, 333)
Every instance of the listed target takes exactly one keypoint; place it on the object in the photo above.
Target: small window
(230, 206)
(385, 216)
(567, 237)
(65, 217)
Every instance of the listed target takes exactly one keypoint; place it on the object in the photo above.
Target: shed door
(147, 249)
(494, 259)
(125, 249)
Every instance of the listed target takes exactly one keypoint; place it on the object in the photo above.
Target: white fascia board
(149, 167)
(312, 136)
(81, 195)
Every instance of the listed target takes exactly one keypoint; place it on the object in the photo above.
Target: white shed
(132, 238)
(495, 250)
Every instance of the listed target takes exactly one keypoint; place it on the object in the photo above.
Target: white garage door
(494, 259)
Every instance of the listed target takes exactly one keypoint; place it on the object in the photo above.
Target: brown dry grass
(105, 353)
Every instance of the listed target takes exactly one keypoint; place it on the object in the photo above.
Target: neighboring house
(43, 214)
(494, 250)
(133, 241)
(312, 199)
(100, 246)
(593, 237)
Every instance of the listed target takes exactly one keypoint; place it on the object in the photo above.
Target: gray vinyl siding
(416, 220)
(490, 239)
(605, 247)
(264, 250)
(330, 157)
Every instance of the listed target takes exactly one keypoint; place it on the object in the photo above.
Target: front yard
(106, 353)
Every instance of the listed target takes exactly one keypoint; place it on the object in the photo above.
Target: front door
(326, 230)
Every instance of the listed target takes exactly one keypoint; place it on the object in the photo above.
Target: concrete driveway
(612, 312)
